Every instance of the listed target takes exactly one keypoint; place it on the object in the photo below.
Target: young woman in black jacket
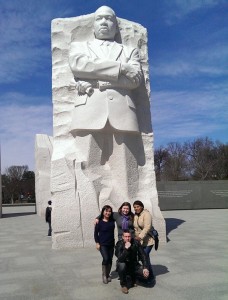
(105, 242)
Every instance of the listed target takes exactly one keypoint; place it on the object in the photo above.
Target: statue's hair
(106, 7)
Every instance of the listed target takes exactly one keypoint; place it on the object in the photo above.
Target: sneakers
(124, 290)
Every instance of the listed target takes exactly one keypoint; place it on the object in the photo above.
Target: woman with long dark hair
(124, 219)
(105, 242)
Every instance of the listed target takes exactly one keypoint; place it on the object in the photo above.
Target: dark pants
(49, 229)
(147, 251)
(107, 254)
(125, 269)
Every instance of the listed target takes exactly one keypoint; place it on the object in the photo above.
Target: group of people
(135, 243)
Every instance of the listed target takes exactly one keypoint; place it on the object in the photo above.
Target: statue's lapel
(96, 49)
(115, 51)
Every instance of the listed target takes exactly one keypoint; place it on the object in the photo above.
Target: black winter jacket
(48, 214)
(132, 255)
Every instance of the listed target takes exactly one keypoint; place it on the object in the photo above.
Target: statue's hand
(131, 72)
(84, 87)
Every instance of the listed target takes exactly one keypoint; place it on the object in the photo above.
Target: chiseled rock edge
(43, 153)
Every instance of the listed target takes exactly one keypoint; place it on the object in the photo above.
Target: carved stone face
(105, 24)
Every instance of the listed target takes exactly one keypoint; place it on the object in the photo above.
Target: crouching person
(129, 252)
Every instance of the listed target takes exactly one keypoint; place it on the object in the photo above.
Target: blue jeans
(147, 251)
(107, 254)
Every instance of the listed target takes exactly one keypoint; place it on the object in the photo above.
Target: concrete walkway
(192, 266)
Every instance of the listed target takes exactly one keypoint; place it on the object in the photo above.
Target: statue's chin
(104, 35)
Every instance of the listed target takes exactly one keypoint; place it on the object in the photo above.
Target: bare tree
(202, 158)
(176, 163)
(28, 185)
(160, 159)
(220, 170)
(13, 180)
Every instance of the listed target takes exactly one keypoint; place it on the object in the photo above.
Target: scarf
(125, 220)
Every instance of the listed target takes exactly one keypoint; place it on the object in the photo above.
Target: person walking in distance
(48, 217)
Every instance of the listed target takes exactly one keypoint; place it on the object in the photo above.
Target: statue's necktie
(106, 48)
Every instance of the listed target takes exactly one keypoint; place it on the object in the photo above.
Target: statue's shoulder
(78, 47)
(79, 44)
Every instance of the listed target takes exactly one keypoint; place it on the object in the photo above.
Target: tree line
(200, 159)
(18, 185)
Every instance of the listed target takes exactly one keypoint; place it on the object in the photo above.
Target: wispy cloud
(185, 115)
(177, 9)
(208, 60)
(17, 98)
(19, 125)
(181, 67)
(25, 38)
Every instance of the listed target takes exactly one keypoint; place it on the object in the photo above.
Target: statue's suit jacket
(112, 97)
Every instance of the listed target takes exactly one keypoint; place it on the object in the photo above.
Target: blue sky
(188, 56)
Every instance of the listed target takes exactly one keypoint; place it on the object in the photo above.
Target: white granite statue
(102, 144)
(105, 72)
(43, 153)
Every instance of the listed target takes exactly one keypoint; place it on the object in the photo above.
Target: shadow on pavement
(13, 215)
(160, 270)
(172, 224)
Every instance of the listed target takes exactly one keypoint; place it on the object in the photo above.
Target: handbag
(154, 234)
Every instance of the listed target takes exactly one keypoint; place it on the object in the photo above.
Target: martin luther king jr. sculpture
(106, 72)
(103, 142)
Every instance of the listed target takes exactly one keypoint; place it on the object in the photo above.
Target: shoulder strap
(150, 232)
(139, 225)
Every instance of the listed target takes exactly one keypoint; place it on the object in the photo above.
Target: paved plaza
(192, 266)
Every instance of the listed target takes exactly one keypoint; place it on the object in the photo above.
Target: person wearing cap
(48, 217)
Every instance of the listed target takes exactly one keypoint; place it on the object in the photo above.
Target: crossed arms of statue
(103, 73)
